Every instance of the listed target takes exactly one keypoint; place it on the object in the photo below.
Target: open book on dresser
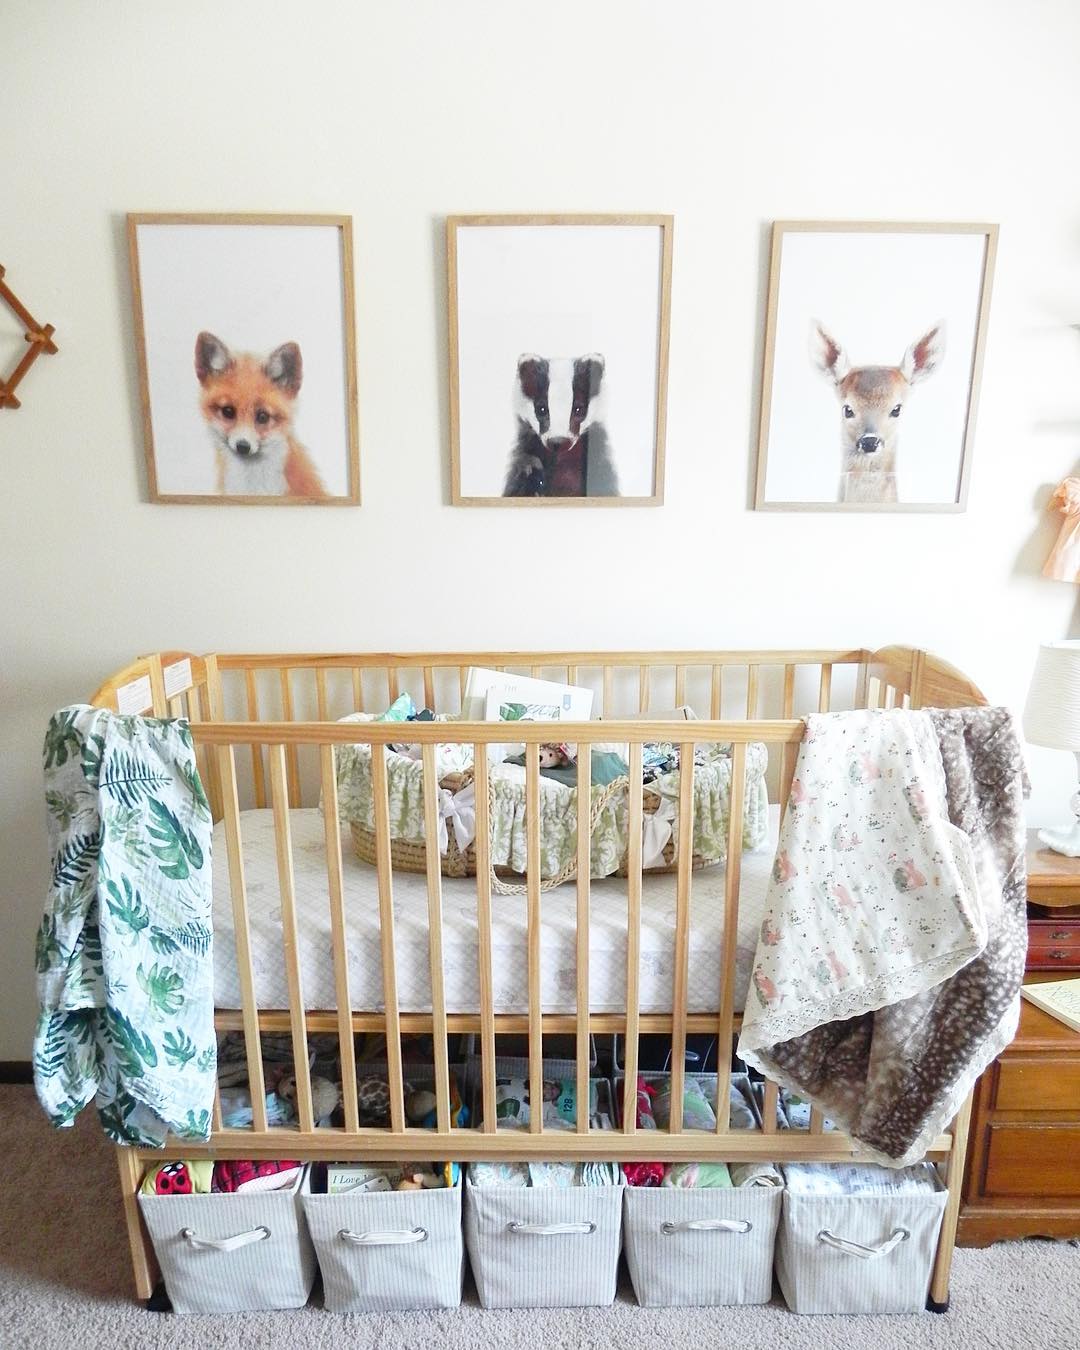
(1060, 998)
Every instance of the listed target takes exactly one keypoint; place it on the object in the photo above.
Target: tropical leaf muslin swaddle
(124, 951)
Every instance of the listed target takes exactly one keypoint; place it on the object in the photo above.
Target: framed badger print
(873, 350)
(244, 327)
(558, 359)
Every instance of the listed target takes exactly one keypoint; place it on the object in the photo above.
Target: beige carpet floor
(65, 1285)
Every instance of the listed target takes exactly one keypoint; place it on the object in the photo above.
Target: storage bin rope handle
(387, 1238)
(229, 1244)
(857, 1249)
(550, 1229)
(706, 1226)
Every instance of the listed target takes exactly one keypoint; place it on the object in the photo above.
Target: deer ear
(285, 367)
(922, 358)
(827, 354)
(212, 357)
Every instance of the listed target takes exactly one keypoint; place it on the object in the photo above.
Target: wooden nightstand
(1022, 1177)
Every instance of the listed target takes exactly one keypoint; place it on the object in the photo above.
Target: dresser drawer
(1053, 944)
(1037, 1084)
(1042, 1162)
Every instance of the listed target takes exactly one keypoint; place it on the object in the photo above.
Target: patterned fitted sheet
(607, 932)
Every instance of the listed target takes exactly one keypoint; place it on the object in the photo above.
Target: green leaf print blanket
(124, 959)
(889, 962)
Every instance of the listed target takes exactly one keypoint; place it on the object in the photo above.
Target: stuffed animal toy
(419, 1181)
(555, 757)
(325, 1095)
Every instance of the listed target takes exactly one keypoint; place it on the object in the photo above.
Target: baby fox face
(248, 403)
(872, 398)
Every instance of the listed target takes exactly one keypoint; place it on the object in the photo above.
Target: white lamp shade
(1052, 712)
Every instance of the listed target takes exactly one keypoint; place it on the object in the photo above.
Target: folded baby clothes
(499, 1174)
(644, 1173)
(179, 1178)
(698, 1113)
(242, 1174)
(755, 1174)
(698, 1174)
(560, 1174)
(599, 1174)
(858, 1179)
(797, 1111)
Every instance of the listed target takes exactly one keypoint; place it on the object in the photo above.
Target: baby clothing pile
(544, 1174)
(229, 1176)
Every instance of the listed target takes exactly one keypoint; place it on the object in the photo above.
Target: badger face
(559, 398)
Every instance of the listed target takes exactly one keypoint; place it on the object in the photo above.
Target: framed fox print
(873, 351)
(558, 359)
(247, 362)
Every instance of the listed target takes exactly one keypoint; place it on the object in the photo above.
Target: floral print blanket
(124, 959)
(890, 958)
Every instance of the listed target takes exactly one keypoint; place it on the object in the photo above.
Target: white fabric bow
(461, 809)
(656, 830)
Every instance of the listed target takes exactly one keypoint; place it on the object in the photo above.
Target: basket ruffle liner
(558, 809)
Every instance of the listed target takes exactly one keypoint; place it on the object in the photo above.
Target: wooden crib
(265, 738)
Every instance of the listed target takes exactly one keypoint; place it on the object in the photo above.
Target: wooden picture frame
(303, 394)
(809, 257)
(621, 463)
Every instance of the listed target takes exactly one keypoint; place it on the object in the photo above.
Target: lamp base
(1065, 840)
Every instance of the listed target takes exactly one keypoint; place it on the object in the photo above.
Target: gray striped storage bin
(232, 1253)
(703, 1247)
(858, 1253)
(543, 1248)
(381, 1251)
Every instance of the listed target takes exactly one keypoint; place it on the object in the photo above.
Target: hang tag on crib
(135, 697)
(177, 677)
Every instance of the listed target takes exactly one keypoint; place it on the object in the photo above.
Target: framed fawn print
(558, 359)
(247, 361)
(873, 351)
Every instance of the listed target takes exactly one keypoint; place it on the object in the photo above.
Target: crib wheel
(932, 1305)
(158, 1302)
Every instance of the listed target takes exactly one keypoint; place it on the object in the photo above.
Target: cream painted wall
(727, 116)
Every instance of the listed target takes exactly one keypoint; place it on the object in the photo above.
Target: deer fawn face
(872, 398)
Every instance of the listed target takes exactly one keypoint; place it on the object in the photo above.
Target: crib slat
(335, 884)
(393, 687)
(768, 1109)
(643, 688)
(216, 1122)
(381, 810)
(429, 688)
(732, 878)
(257, 772)
(825, 689)
(633, 940)
(532, 886)
(435, 942)
(483, 923)
(685, 856)
(238, 891)
(290, 940)
(751, 692)
(320, 693)
(293, 757)
(680, 686)
(862, 686)
(358, 689)
(206, 761)
(817, 1121)
(789, 690)
(462, 675)
(584, 877)
(607, 708)
(716, 692)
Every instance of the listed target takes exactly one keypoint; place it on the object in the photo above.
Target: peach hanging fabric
(1063, 563)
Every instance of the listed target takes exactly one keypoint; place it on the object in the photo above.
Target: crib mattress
(558, 978)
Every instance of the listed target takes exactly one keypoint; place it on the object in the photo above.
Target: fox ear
(827, 354)
(212, 357)
(285, 367)
(922, 358)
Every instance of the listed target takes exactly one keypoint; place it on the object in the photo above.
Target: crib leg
(143, 1262)
(938, 1299)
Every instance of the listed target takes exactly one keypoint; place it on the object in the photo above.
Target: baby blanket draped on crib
(124, 960)
(891, 954)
